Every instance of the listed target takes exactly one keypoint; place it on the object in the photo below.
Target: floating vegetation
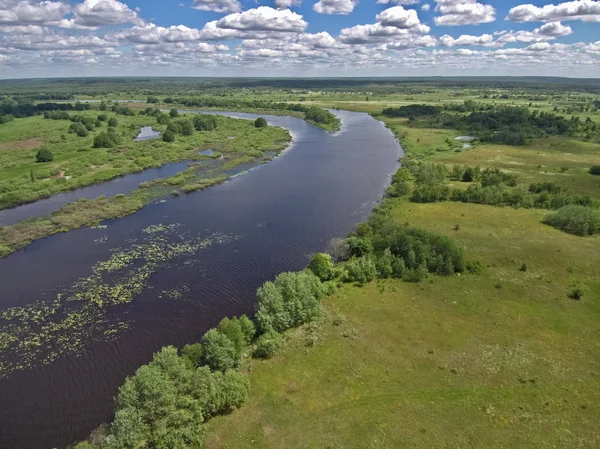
(41, 332)
(175, 293)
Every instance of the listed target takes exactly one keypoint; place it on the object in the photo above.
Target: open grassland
(501, 359)
(76, 163)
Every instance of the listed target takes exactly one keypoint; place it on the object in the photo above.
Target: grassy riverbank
(495, 359)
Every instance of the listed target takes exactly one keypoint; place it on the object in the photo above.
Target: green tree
(232, 329)
(187, 127)
(174, 113)
(248, 328)
(113, 122)
(44, 155)
(260, 122)
(322, 266)
(193, 353)
(168, 136)
(219, 351)
(385, 264)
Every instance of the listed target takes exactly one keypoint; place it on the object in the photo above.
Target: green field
(504, 358)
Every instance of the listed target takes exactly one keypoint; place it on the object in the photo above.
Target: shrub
(416, 274)
(193, 353)
(113, 122)
(168, 136)
(186, 127)
(205, 122)
(267, 345)
(576, 293)
(173, 113)
(574, 219)
(260, 122)
(361, 270)
(291, 300)
(321, 266)
(106, 139)
(339, 249)
(219, 351)
(44, 155)
(385, 264)
(359, 246)
(102, 117)
(595, 170)
(339, 320)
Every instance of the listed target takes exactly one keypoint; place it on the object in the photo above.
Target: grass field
(500, 359)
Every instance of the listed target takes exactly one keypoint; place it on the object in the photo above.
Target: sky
(299, 38)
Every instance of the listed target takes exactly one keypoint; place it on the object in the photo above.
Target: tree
(360, 270)
(359, 246)
(385, 264)
(106, 139)
(168, 136)
(102, 117)
(260, 122)
(293, 299)
(102, 106)
(187, 127)
(219, 351)
(193, 353)
(44, 155)
(174, 113)
(248, 328)
(233, 331)
(322, 266)
(113, 121)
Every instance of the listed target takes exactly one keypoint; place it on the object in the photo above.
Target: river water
(268, 221)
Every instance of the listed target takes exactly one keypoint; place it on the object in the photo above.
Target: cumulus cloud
(96, 13)
(463, 12)
(426, 7)
(484, 40)
(263, 18)
(586, 10)
(14, 12)
(399, 17)
(342, 7)
(546, 32)
(221, 6)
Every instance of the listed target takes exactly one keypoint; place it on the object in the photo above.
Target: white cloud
(287, 4)
(14, 12)
(546, 32)
(399, 17)
(263, 18)
(221, 6)
(484, 40)
(463, 12)
(426, 7)
(399, 2)
(152, 34)
(96, 13)
(586, 10)
(342, 7)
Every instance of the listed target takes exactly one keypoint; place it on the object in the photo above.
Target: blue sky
(299, 38)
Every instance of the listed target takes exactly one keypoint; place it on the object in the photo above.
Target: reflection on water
(147, 133)
(272, 217)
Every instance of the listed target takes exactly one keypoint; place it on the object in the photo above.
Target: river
(245, 232)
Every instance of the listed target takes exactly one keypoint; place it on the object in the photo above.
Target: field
(503, 358)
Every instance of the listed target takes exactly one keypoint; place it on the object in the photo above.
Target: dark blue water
(279, 213)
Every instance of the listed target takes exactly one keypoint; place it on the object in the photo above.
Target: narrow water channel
(231, 238)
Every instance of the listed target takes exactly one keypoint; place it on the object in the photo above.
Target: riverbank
(493, 359)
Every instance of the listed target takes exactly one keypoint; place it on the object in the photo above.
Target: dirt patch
(25, 144)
